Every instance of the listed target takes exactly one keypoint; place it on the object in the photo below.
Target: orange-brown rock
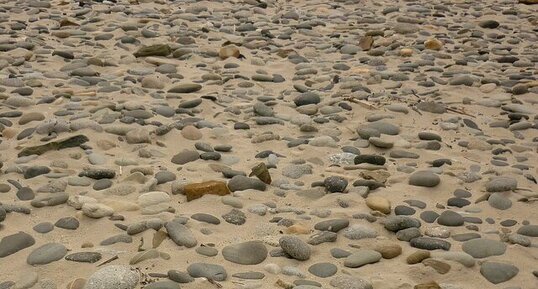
(528, 2)
(197, 190)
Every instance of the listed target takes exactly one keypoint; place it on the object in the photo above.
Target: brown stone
(366, 42)
(77, 284)
(429, 285)
(440, 267)
(417, 257)
(433, 44)
(261, 171)
(528, 2)
(229, 51)
(389, 250)
(197, 190)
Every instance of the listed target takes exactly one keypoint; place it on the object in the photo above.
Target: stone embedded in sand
(229, 51)
(180, 234)
(295, 247)
(496, 272)
(389, 250)
(482, 248)
(241, 183)
(261, 172)
(247, 253)
(13, 243)
(424, 179)
(154, 202)
(417, 257)
(323, 270)
(380, 204)
(501, 184)
(361, 258)
(406, 52)
(153, 50)
(433, 44)
(366, 42)
(210, 271)
(197, 190)
(185, 88)
(70, 142)
(113, 276)
(46, 254)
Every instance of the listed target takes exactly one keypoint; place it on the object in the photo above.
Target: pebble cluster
(268, 144)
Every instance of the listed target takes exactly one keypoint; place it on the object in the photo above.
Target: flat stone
(496, 272)
(180, 234)
(197, 190)
(46, 254)
(424, 179)
(334, 225)
(528, 230)
(482, 248)
(323, 270)
(13, 243)
(361, 258)
(210, 271)
(84, 257)
(247, 253)
(241, 183)
(430, 243)
(450, 218)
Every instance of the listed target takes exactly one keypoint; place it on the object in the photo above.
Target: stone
(397, 223)
(295, 247)
(497, 272)
(246, 253)
(430, 243)
(417, 257)
(185, 156)
(501, 184)
(528, 230)
(113, 276)
(166, 284)
(335, 184)
(210, 271)
(389, 250)
(361, 258)
(379, 204)
(154, 202)
(153, 50)
(197, 190)
(68, 223)
(46, 254)
(241, 183)
(229, 51)
(450, 218)
(323, 270)
(179, 277)
(482, 248)
(70, 142)
(96, 210)
(180, 234)
(499, 201)
(349, 282)
(424, 179)
(235, 217)
(358, 231)
(433, 44)
(84, 257)
(11, 244)
(190, 132)
(206, 218)
(334, 225)
(185, 88)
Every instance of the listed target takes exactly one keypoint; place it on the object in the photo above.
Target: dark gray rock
(46, 254)
(210, 271)
(13, 243)
(430, 243)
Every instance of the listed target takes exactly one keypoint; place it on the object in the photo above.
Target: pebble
(210, 271)
(424, 179)
(497, 272)
(295, 247)
(11, 244)
(46, 254)
(246, 253)
(482, 248)
(113, 276)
